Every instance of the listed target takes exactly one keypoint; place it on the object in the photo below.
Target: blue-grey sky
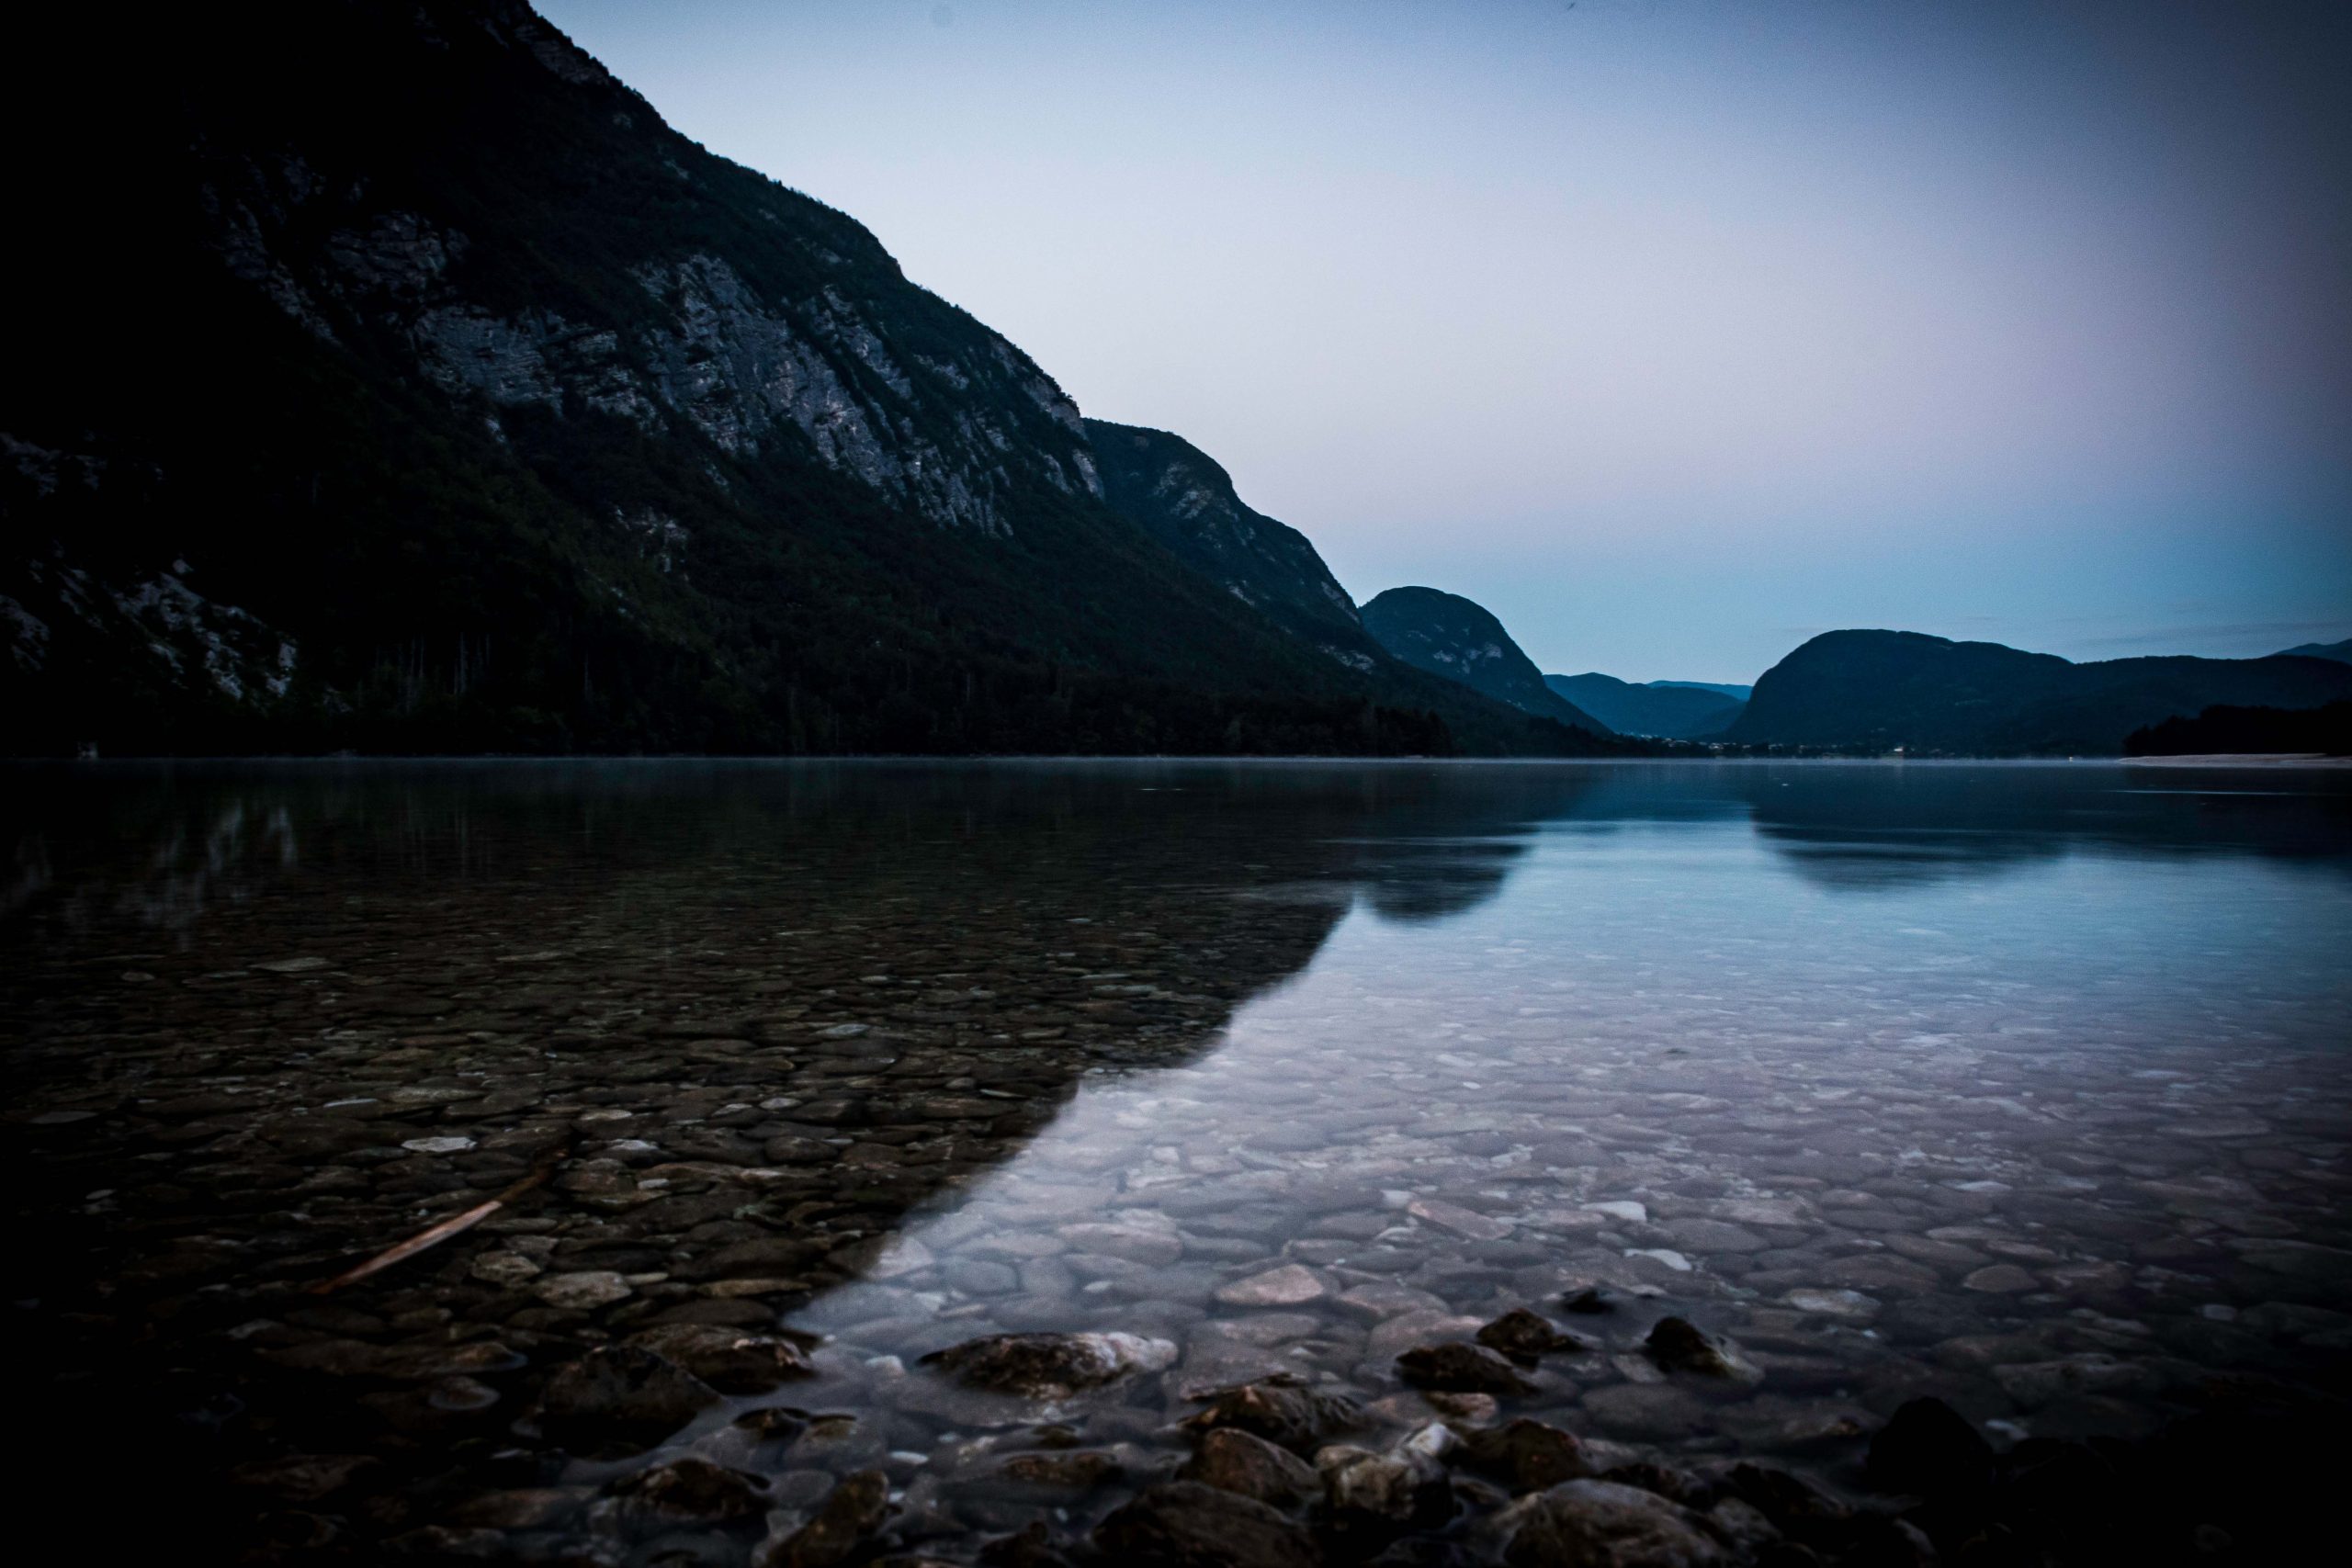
(1672, 331)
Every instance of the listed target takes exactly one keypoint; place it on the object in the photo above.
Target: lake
(2023, 1087)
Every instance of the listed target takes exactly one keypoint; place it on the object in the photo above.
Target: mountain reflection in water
(2021, 1084)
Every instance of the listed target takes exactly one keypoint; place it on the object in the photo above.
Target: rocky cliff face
(1186, 500)
(1449, 636)
(803, 340)
(519, 421)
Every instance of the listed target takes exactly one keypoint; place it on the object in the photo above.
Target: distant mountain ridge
(1449, 636)
(1669, 709)
(1728, 689)
(2339, 652)
(1881, 689)
(2225, 731)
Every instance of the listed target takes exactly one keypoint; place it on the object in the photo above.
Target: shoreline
(856, 1078)
(2290, 759)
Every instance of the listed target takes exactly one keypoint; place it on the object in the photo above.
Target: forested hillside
(438, 396)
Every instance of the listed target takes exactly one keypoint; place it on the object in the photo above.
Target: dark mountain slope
(1878, 690)
(1449, 636)
(2339, 652)
(1186, 500)
(400, 380)
(1675, 712)
(2248, 730)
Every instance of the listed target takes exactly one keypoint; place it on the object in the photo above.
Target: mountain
(437, 396)
(1447, 635)
(1673, 709)
(1186, 500)
(1183, 498)
(2339, 652)
(1726, 689)
(2243, 730)
(1879, 690)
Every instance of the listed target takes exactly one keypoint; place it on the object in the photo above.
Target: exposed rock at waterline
(1599, 1524)
(1524, 1334)
(1282, 1411)
(1051, 1366)
(1678, 1345)
(1460, 1369)
(621, 1395)
(1370, 1499)
(730, 1361)
(1234, 1460)
(850, 1515)
(1184, 1524)
(689, 1490)
(1527, 1455)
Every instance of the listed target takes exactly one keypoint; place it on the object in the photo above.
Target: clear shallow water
(2024, 1085)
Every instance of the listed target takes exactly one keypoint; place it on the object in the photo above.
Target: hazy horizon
(1672, 334)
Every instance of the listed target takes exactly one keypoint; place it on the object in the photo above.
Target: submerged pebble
(1259, 1165)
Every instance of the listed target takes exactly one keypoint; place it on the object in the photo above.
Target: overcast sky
(1672, 332)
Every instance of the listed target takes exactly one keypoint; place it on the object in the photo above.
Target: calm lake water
(2028, 1087)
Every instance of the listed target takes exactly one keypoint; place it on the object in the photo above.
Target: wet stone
(1289, 1285)
(1670, 1482)
(727, 1358)
(850, 1515)
(1135, 1241)
(1281, 1411)
(303, 1478)
(1460, 1369)
(1184, 1524)
(1791, 1503)
(1032, 1546)
(1234, 1460)
(1651, 1411)
(689, 1490)
(1071, 1470)
(2000, 1278)
(1526, 1455)
(1381, 1299)
(1740, 1526)
(1471, 1409)
(1460, 1221)
(1715, 1238)
(1833, 1304)
(1678, 1345)
(1369, 1498)
(1519, 1333)
(622, 1393)
(1050, 1366)
(1598, 1524)
(520, 1508)
(1398, 1334)
(582, 1292)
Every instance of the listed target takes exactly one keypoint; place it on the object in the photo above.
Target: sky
(1673, 332)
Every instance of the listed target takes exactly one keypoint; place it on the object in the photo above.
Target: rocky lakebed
(880, 1167)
